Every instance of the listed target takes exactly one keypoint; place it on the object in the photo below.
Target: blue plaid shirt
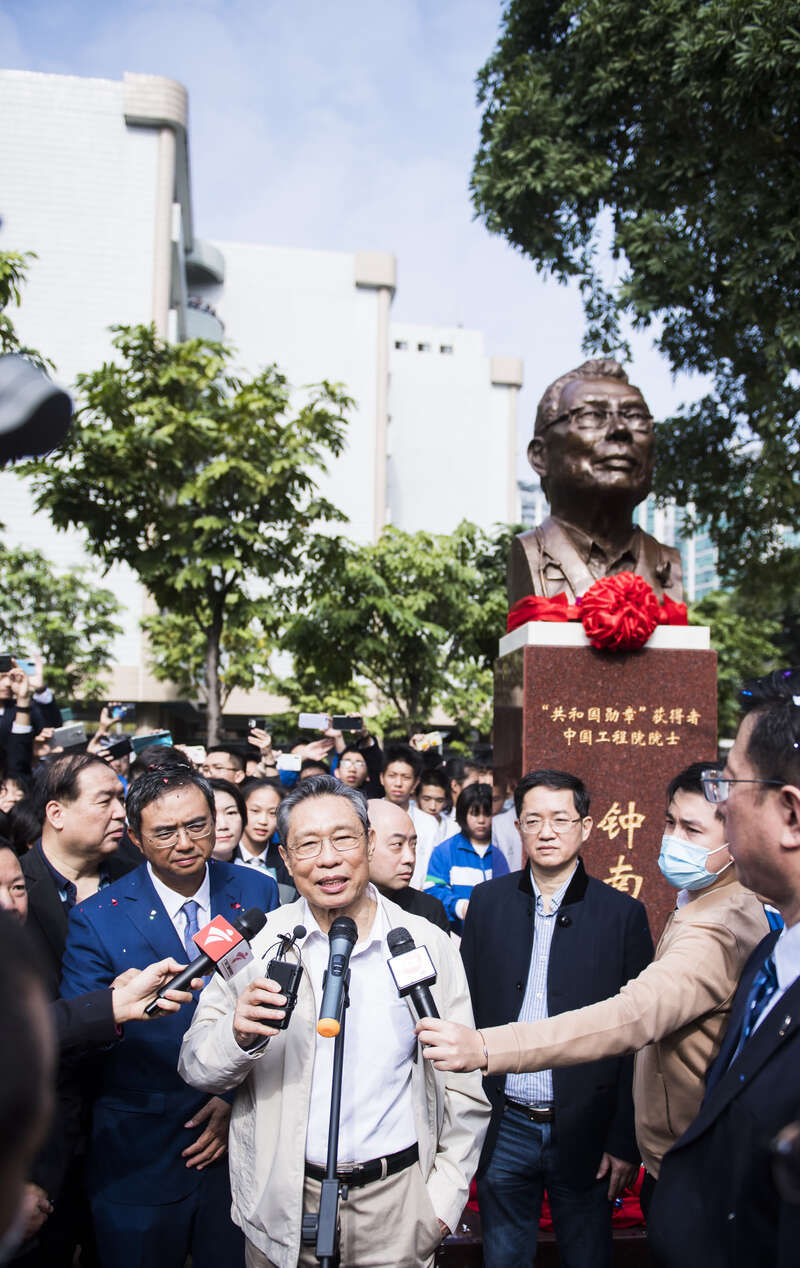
(537, 1088)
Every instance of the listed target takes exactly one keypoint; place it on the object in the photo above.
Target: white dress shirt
(244, 858)
(377, 1116)
(431, 830)
(174, 903)
(505, 835)
(786, 954)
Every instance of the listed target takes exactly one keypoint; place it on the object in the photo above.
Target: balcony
(201, 320)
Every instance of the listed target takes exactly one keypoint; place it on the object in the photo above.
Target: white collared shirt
(786, 954)
(377, 1116)
(173, 903)
(431, 831)
(259, 861)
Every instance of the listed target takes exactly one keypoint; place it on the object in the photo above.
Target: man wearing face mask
(673, 1015)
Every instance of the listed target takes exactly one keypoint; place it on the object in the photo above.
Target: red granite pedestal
(625, 723)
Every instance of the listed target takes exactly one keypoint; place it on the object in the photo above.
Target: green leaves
(203, 483)
(747, 645)
(674, 128)
(415, 617)
(63, 615)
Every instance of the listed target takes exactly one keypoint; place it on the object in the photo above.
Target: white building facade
(96, 181)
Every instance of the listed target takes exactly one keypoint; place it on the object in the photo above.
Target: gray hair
(320, 786)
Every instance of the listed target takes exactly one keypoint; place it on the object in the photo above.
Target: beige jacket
(675, 1011)
(270, 1110)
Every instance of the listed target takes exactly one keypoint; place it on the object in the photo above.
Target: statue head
(593, 437)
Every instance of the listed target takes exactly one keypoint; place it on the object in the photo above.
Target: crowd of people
(566, 1051)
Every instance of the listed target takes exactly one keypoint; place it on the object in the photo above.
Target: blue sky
(338, 127)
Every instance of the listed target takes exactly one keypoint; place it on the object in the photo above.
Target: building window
(446, 349)
(401, 345)
(423, 347)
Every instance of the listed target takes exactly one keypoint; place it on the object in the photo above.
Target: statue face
(603, 442)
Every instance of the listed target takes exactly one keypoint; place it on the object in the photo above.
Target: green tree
(672, 128)
(416, 617)
(201, 481)
(746, 648)
(63, 615)
(13, 272)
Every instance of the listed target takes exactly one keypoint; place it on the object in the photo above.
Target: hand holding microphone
(225, 948)
(447, 1044)
(451, 1046)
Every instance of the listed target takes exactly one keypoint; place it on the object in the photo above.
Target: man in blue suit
(159, 1191)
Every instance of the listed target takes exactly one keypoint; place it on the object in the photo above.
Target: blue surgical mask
(684, 864)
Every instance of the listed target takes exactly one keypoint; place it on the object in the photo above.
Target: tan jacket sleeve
(696, 974)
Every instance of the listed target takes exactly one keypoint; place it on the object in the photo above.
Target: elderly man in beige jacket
(409, 1136)
(673, 1015)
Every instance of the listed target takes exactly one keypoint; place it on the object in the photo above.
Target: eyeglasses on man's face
(533, 825)
(343, 843)
(717, 787)
(165, 838)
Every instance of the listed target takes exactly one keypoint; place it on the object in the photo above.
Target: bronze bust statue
(592, 449)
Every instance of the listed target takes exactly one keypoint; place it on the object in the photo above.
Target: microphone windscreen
(343, 927)
(252, 922)
(299, 931)
(399, 939)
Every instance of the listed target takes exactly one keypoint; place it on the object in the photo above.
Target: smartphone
(120, 711)
(314, 721)
(347, 722)
(257, 724)
(290, 761)
(120, 748)
(195, 753)
(69, 736)
(27, 666)
(153, 737)
(66, 714)
(5, 663)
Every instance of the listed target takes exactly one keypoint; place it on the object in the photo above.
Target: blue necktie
(190, 909)
(765, 984)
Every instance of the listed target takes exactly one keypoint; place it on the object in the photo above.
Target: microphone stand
(323, 1228)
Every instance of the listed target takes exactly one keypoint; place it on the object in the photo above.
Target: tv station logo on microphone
(225, 945)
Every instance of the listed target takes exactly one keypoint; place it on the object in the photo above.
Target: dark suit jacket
(141, 1102)
(600, 941)
(84, 1023)
(716, 1203)
(47, 915)
(420, 904)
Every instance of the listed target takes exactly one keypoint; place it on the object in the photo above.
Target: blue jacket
(141, 1102)
(455, 868)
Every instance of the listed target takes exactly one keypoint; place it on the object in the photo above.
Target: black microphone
(342, 937)
(413, 972)
(223, 952)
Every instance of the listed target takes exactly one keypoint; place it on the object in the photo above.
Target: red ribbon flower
(619, 613)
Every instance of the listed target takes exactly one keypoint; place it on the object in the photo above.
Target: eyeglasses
(343, 844)
(217, 768)
(717, 789)
(561, 825)
(594, 417)
(164, 840)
